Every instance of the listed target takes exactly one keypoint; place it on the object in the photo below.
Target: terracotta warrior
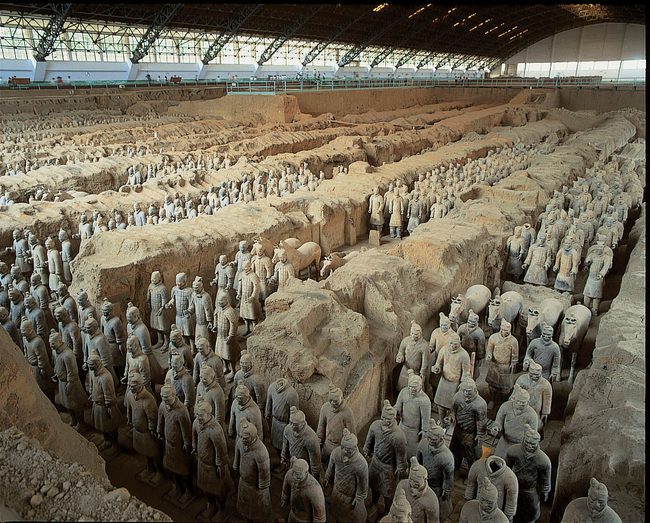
(206, 355)
(280, 399)
(72, 395)
(136, 363)
(300, 441)
(434, 455)
(202, 310)
(386, 447)
(225, 325)
(213, 395)
(453, 365)
(532, 467)
(181, 299)
(175, 428)
(414, 407)
(248, 295)
(396, 210)
(182, 382)
(37, 357)
(469, 411)
(252, 379)
(224, 279)
(414, 353)
(211, 449)
(414, 213)
(439, 338)
(510, 420)
(400, 510)
(8, 325)
(241, 256)
(376, 210)
(115, 333)
(71, 335)
(16, 307)
(302, 492)
(136, 326)
(263, 267)
(566, 265)
(39, 257)
(472, 339)
(244, 407)
(159, 319)
(540, 390)
(546, 352)
(593, 508)
(177, 343)
(335, 417)
(283, 271)
(67, 301)
(347, 471)
(501, 477)
(516, 247)
(106, 416)
(485, 509)
(86, 310)
(422, 499)
(598, 263)
(55, 265)
(142, 415)
(98, 342)
(35, 315)
(503, 352)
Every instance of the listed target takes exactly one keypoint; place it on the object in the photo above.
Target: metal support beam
(52, 31)
(406, 57)
(385, 53)
(153, 32)
(229, 32)
(321, 46)
(358, 49)
(288, 33)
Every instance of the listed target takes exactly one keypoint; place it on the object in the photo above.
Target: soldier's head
(132, 313)
(521, 398)
(400, 510)
(534, 371)
(156, 277)
(136, 382)
(454, 341)
(82, 298)
(445, 322)
(62, 290)
(414, 383)
(417, 476)
(181, 280)
(547, 333)
(133, 345)
(61, 315)
(388, 414)
(248, 432)
(243, 244)
(107, 309)
(56, 341)
(335, 397)
(242, 394)
(246, 266)
(222, 300)
(246, 361)
(4, 314)
(16, 273)
(176, 336)
(506, 328)
(223, 259)
(95, 362)
(90, 326)
(296, 419)
(488, 498)
(472, 320)
(168, 394)
(416, 331)
(206, 374)
(530, 443)
(203, 411)
(435, 435)
(299, 469)
(197, 285)
(348, 445)
(203, 345)
(26, 327)
(35, 279)
(597, 498)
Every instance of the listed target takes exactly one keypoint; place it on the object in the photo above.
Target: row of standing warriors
(405, 448)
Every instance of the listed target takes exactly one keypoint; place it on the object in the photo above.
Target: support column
(203, 71)
(40, 69)
(132, 72)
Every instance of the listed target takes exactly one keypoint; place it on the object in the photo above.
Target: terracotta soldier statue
(17, 306)
(244, 407)
(501, 477)
(279, 400)
(453, 364)
(225, 325)
(516, 247)
(210, 390)
(414, 407)
(66, 254)
(414, 353)
(34, 314)
(136, 326)
(532, 467)
(136, 362)
(159, 319)
(106, 416)
(68, 302)
(283, 271)
(540, 390)
(485, 509)
(472, 339)
(142, 415)
(182, 382)
(546, 352)
(42, 295)
(248, 295)
(593, 508)
(55, 265)
(224, 279)
(175, 428)
(181, 299)
(566, 265)
(598, 263)
(414, 213)
(400, 510)
(396, 209)
(177, 343)
(252, 379)
(18, 280)
(439, 338)
(241, 256)
(421, 498)
(115, 333)
(98, 342)
(71, 335)
(20, 249)
(335, 416)
(253, 465)
(37, 357)
(86, 310)
(300, 441)
(503, 352)
(376, 210)
(302, 492)
(211, 449)
(469, 411)
(439, 461)
(510, 420)
(206, 355)
(39, 257)
(8, 325)
(386, 447)
(72, 395)
(201, 308)
(347, 471)
(263, 267)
